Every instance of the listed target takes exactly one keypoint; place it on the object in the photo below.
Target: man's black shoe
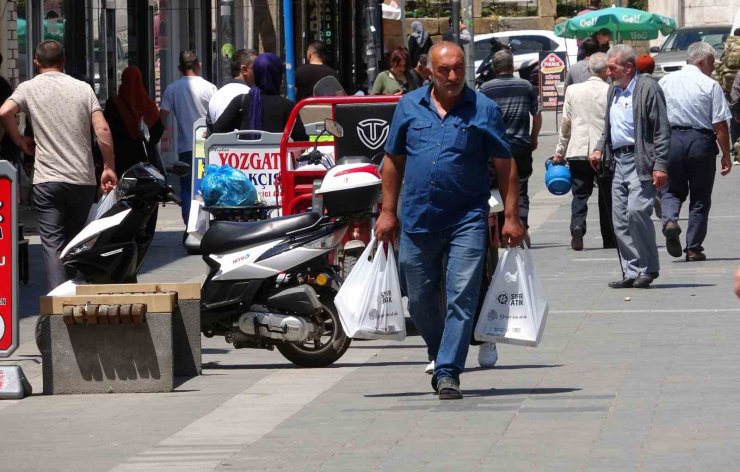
(672, 241)
(576, 241)
(695, 256)
(624, 283)
(449, 389)
(643, 281)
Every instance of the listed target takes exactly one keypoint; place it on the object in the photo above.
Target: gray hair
(624, 52)
(597, 63)
(699, 51)
(503, 61)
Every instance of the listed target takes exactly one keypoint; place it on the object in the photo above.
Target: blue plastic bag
(226, 186)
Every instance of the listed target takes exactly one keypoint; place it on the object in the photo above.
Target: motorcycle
(358, 234)
(270, 284)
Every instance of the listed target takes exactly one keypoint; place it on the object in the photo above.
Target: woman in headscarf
(398, 79)
(125, 113)
(263, 108)
(420, 42)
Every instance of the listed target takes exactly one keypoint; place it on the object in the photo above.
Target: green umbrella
(630, 23)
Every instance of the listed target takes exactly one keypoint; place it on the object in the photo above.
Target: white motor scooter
(270, 283)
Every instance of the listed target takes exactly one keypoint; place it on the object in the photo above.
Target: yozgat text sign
(8, 265)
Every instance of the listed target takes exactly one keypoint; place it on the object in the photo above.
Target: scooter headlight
(85, 245)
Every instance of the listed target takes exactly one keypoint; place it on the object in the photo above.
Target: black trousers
(584, 181)
(62, 211)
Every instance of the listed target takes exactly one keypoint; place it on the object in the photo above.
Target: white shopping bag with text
(515, 308)
(369, 301)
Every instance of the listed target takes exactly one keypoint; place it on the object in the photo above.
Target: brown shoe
(695, 256)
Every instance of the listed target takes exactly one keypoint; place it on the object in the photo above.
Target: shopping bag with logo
(515, 308)
(369, 301)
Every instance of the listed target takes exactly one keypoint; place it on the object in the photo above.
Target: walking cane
(602, 197)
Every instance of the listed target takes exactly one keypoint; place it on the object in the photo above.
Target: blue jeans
(186, 186)
(446, 331)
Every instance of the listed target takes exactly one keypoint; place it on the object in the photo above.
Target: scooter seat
(224, 236)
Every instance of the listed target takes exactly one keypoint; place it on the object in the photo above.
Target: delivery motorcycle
(269, 284)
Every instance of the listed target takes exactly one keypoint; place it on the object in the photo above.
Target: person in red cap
(645, 64)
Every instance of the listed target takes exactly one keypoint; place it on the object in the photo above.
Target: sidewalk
(616, 384)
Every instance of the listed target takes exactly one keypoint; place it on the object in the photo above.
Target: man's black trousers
(62, 210)
(584, 180)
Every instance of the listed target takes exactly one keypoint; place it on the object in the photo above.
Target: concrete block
(186, 338)
(185, 322)
(123, 358)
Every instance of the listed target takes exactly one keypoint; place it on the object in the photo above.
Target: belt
(689, 128)
(624, 149)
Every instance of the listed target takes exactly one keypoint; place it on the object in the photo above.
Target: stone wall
(439, 26)
(481, 25)
(9, 41)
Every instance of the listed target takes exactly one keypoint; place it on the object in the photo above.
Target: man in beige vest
(583, 123)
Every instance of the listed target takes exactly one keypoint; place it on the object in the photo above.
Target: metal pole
(468, 19)
(225, 38)
(371, 49)
(402, 6)
(455, 17)
(289, 49)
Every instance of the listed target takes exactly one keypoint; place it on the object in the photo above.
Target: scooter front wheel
(331, 345)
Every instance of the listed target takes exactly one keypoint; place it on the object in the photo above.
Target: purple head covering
(268, 77)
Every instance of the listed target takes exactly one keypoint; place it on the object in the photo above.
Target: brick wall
(9, 40)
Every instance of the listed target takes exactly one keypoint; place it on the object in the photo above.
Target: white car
(525, 45)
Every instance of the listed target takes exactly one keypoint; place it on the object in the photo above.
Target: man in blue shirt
(442, 140)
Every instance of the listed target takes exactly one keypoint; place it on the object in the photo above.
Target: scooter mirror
(334, 128)
(181, 169)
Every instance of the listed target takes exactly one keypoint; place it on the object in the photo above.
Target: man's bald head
(448, 70)
(446, 48)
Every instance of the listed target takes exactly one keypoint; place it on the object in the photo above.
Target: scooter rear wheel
(329, 348)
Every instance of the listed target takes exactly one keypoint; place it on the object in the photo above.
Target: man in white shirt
(698, 114)
(187, 98)
(583, 124)
(634, 147)
(242, 70)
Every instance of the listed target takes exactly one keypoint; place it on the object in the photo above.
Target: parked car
(525, 45)
(671, 56)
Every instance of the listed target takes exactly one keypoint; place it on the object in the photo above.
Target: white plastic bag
(199, 220)
(105, 203)
(369, 301)
(515, 308)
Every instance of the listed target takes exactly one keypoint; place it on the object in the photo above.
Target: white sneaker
(429, 368)
(487, 355)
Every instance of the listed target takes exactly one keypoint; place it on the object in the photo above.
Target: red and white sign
(552, 64)
(260, 164)
(8, 271)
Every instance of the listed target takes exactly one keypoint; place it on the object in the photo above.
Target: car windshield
(680, 40)
(519, 44)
